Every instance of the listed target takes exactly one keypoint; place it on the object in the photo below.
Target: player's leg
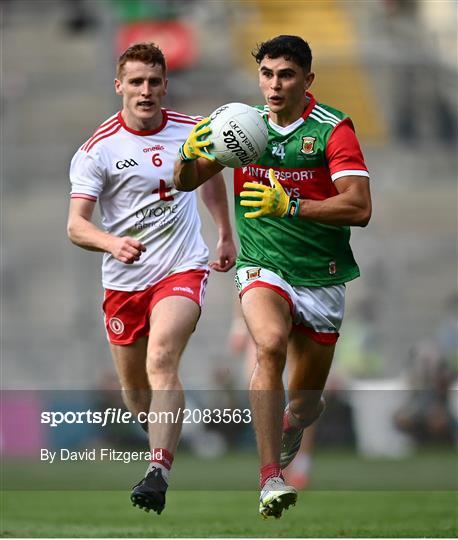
(267, 315)
(145, 364)
(126, 322)
(309, 363)
(269, 322)
(308, 367)
(297, 473)
(249, 359)
(172, 322)
(318, 317)
(130, 363)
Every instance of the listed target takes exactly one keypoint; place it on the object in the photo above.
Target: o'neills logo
(234, 146)
(307, 145)
(154, 148)
(183, 289)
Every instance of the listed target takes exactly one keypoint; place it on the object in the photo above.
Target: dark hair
(291, 47)
(148, 53)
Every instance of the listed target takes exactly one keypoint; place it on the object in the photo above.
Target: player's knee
(271, 357)
(161, 360)
(271, 346)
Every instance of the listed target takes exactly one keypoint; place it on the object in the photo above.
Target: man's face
(142, 87)
(283, 84)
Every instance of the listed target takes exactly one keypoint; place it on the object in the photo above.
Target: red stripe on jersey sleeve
(343, 151)
(109, 121)
(101, 129)
(195, 118)
(182, 121)
(83, 196)
(95, 140)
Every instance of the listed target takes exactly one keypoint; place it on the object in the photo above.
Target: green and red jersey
(308, 156)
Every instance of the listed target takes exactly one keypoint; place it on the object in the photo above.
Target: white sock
(155, 465)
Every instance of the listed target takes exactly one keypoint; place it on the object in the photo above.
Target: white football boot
(276, 497)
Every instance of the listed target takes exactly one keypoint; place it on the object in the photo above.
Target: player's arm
(189, 175)
(196, 164)
(214, 197)
(87, 235)
(351, 206)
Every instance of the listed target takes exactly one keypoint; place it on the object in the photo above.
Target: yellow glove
(271, 201)
(196, 145)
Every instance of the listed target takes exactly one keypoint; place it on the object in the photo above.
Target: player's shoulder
(326, 115)
(102, 134)
(179, 118)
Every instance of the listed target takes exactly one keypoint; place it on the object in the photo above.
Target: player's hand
(227, 253)
(197, 143)
(271, 201)
(126, 249)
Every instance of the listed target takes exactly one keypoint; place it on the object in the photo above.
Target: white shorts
(316, 311)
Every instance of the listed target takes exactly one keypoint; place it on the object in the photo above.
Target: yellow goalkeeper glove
(271, 201)
(196, 145)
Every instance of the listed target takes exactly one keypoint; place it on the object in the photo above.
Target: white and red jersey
(130, 173)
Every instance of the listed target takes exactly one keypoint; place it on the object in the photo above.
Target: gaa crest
(307, 145)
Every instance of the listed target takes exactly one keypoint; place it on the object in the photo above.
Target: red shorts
(127, 314)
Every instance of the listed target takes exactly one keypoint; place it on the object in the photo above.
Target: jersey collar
(145, 131)
(311, 104)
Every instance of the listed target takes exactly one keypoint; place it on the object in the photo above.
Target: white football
(239, 134)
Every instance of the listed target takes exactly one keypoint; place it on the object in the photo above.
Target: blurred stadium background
(390, 64)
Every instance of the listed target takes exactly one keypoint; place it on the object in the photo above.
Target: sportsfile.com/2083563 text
(113, 415)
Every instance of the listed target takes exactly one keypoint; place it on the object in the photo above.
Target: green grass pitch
(229, 514)
(351, 497)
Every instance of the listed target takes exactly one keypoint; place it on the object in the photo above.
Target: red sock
(162, 456)
(267, 471)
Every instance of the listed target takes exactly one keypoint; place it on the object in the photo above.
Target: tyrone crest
(307, 145)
